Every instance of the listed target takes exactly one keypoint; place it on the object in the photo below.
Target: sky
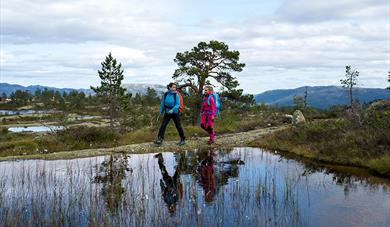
(284, 43)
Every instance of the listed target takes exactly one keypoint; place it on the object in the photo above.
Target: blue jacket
(169, 103)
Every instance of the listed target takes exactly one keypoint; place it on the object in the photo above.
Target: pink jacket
(206, 108)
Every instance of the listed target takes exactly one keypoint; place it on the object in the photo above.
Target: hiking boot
(159, 141)
(182, 142)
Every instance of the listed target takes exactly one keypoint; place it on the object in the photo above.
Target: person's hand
(212, 118)
(170, 112)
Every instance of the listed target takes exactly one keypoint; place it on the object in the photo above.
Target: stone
(287, 118)
(298, 118)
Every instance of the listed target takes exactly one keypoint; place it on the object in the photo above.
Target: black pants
(176, 120)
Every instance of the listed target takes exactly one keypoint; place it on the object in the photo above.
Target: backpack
(217, 102)
(181, 107)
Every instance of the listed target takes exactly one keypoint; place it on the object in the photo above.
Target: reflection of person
(208, 180)
(171, 187)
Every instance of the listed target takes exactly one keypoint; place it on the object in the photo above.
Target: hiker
(171, 106)
(171, 187)
(208, 112)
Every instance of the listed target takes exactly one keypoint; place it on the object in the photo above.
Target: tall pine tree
(110, 90)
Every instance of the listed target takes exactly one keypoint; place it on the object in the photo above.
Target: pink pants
(207, 125)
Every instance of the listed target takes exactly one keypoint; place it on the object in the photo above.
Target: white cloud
(62, 43)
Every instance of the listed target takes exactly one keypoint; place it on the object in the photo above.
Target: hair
(170, 85)
(209, 87)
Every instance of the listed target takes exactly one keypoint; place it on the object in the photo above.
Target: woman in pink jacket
(207, 112)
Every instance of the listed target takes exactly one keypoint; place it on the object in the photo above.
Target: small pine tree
(298, 101)
(350, 81)
(110, 89)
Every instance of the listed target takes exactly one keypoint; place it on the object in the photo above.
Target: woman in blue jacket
(170, 104)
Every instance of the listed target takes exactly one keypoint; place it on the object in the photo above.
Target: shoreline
(222, 141)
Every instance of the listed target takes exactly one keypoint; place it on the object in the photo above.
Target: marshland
(280, 110)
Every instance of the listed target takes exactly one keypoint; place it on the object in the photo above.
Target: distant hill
(132, 88)
(142, 88)
(9, 88)
(321, 96)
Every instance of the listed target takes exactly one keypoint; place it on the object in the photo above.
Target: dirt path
(225, 141)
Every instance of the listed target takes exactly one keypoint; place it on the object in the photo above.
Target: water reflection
(239, 187)
(207, 176)
(110, 174)
(171, 187)
(35, 128)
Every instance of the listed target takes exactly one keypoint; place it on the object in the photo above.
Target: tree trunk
(350, 97)
(198, 102)
(196, 112)
(111, 113)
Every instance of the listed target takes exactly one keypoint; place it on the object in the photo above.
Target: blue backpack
(217, 102)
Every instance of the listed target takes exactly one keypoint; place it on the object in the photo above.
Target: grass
(335, 141)
(83, 137)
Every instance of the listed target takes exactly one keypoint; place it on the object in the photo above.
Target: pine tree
(207, 61)
(350, 81)
(110, 89)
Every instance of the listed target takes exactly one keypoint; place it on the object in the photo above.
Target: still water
(24, 112)
(34, 128)
(239, 187)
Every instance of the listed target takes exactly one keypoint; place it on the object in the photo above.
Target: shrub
(81, 137)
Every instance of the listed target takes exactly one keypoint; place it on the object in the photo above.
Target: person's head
(172, 86)
(207, 89)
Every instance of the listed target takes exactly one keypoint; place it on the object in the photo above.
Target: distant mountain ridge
(318, 96)
(9, 88)
(321, 96)
(131, 87)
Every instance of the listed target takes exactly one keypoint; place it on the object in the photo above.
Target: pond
(239, 187)
(25, 112)
(34, 128)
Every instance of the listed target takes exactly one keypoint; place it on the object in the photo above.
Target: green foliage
(213, 59)
(235, 98)
(299, 102)
(151, 98)
(207, 61)
(86, 137)
(20, 98)
(110, 89)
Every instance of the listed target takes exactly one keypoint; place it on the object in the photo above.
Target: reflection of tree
(111, 173)
(171, 187)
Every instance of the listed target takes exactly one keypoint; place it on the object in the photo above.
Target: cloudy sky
(284, 43)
